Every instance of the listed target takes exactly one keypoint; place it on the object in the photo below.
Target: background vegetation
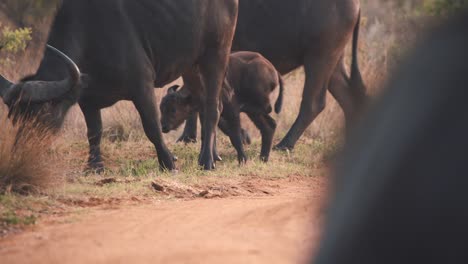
(28, 12)
(12, 42)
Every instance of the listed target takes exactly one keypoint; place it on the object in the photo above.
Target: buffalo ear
(172, 89)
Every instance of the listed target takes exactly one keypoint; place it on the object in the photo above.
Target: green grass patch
(11, 218)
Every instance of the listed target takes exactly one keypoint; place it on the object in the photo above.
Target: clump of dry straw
(27, 163)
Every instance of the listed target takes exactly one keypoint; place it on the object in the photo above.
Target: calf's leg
(245, 137)
(267, 127)
(232, 129)
(190, 130)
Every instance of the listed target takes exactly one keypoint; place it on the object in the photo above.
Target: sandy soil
(281, 227)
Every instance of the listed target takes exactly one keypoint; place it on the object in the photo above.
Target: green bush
(12, 42)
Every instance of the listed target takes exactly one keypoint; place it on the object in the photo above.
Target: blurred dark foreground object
(401, 192)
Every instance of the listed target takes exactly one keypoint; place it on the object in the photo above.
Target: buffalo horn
(42, 91)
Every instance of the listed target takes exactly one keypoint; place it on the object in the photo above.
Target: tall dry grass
(27, 162)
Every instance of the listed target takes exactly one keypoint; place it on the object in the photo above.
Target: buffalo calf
(249, 81)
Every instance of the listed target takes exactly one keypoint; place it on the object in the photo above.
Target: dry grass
(26, 162)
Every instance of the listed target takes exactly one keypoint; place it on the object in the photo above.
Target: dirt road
(278, 228)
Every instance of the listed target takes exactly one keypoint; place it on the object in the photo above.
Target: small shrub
(12, 42)
(26, 162)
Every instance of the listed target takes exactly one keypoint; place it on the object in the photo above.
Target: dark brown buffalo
(127, 47)
(249, 82)
(309, 33)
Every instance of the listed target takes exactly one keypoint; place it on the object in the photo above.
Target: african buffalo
(309, 33)
(128, 47)
(250, 79)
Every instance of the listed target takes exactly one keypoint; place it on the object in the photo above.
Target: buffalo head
(46, 102)
(175, 107)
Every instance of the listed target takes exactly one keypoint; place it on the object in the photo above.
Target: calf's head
(45, 102)
(175, 107)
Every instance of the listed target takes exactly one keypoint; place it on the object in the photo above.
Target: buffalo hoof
(166, 162)
(283, 147)
(264, 158)
(167, 166)
(95, 168)
(207, 163)
(217, 158)
(245, 137)
(187, 139)
(242, 160)
(208, 166)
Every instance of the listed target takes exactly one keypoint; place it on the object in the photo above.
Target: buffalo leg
(351, 99)
(190, 130)
(339, 88)
(149, 114)
(318, 70)
(216, 155)
(93, 120)
(267, 127)
(245, 137)
(212, 71)
(190, 135)
(233, 130)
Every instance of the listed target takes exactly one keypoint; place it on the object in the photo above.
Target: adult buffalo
(309, 33)
(127, 47)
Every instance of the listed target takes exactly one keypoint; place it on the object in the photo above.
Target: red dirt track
(278, 228)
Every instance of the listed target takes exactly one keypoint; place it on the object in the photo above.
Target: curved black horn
(41, 91)
(72, 67)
